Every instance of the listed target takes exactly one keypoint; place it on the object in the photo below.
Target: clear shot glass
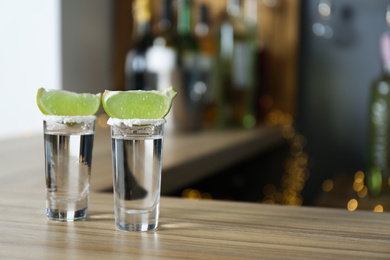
(137, 156)
(68, 144)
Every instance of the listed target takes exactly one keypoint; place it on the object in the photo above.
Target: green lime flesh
(138, 104)
(66, 103)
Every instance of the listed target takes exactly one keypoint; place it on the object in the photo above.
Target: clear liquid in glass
(68, 168)
(137, 178)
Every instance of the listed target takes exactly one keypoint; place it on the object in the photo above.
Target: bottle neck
(202, 27)
(233, 7)
(385, 52)
(143, 29)
(142, 17)
(165, 23)
(184, 17)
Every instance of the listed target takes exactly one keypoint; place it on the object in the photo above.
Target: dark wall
(339, 58)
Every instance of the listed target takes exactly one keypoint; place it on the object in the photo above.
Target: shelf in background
(190, 157)
(187, 157)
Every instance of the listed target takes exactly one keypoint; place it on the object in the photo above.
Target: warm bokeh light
(266, 101)
(194, 194)
(206, 196)
(288, 132)
(363, 192)
(269, 189)
(296, 173)
(358, 185)
(352, 205)
(286, 120)
(272, 118)
(296, 148)
(378, 208)
(327, 185)
(359, 176)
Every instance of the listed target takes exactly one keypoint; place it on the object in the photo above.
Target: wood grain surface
(188, 229)
(192, 230)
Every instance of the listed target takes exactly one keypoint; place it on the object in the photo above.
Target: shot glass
(68, 143)
(137, 156)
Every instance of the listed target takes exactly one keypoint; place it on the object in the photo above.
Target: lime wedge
(66, 103)
(138, 104)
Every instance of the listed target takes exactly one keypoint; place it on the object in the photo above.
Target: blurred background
(306, 66)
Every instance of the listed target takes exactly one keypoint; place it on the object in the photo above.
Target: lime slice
(138, 104)
(66, 103)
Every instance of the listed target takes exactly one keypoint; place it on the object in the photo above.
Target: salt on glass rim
(69, 119)
(135, 121)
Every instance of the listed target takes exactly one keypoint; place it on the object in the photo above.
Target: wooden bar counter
(188, 229)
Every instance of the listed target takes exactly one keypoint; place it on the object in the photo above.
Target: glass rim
(69, 119)
(135, 122)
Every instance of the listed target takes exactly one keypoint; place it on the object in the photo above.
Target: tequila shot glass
(68, 144)
(137, 158)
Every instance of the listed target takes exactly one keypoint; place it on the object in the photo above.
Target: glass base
(66, 216)
(136, 227)
(136, 220)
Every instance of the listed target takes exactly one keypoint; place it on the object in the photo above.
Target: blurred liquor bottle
(161, 57)
(186, 78)
(185, 39)
(135, 67)
(206, 64)
(378, 177)
(236, 69)
(262, 101)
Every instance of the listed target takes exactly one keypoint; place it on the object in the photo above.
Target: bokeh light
(327, 185)
(352, 205)
(378, 208)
